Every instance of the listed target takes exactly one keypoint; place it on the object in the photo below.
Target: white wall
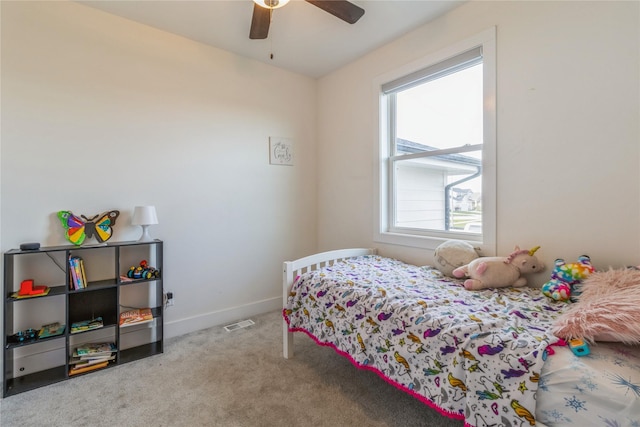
(568, 138)
(102, 113)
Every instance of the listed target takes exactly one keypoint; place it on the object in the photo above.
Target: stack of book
(135, 316)
(91, 356)
(77, 278)
(86, 325)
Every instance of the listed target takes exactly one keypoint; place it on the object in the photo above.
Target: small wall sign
(280, 151)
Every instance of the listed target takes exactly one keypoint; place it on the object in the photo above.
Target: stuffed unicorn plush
(500, 272)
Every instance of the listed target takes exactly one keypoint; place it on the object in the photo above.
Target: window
(437, 148)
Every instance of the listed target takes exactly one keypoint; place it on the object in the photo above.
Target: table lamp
(144, 216)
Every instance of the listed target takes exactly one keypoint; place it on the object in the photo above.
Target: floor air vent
(239, 325)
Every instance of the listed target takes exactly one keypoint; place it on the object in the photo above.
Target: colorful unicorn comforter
(473, 355)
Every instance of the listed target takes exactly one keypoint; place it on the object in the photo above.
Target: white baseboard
(221, 317)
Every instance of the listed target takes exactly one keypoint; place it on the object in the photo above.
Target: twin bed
(487, 357)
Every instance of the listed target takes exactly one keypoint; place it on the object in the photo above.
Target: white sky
(443, 113)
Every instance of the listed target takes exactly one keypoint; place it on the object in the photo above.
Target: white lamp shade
(144, 215)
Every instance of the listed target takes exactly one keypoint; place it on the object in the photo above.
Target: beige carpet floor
(218, 378)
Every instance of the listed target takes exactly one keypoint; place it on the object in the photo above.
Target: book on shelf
(77, 277)
(90, 359)
(73, 274)
(92, 356)
(88, 368)
(73, 277)
(92, 349)
(83, 276)
(86, 325)
(51, 330)
(75, 362)
(135, 316)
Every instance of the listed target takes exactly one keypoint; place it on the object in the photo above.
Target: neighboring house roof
(410, 147)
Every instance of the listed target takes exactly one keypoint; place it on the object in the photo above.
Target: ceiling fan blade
(342, 9)
(260, 22)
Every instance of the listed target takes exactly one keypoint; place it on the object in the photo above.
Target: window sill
(425, 242)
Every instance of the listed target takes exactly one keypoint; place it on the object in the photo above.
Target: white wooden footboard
(292, 269)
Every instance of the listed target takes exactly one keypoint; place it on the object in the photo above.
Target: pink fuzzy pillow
(607, 310)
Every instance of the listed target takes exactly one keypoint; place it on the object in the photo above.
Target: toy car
(150, 273)
(143, 271)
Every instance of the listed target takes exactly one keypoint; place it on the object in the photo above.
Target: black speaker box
(29, 246)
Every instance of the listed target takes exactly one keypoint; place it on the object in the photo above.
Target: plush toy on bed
(500, 272)
(566, 278)
(453, 254)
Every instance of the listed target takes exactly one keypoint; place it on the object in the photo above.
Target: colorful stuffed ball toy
(567, 276)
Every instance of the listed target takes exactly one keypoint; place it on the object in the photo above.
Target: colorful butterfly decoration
(79, 228)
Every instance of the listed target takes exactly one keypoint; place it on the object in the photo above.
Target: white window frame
(382, 196)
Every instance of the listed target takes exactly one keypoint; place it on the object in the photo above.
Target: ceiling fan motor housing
(271, 4)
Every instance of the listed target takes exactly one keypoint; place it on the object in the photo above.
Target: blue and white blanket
(601, 389)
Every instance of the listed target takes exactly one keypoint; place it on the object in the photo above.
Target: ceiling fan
(262, 10)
